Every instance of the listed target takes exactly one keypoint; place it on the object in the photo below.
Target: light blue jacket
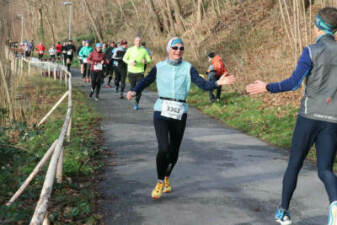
(85, 52)
(173, 81)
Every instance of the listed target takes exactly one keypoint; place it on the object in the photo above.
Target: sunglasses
(176, 48)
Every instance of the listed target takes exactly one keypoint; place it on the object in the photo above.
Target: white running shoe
(333, 213)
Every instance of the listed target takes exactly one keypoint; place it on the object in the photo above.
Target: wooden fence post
(29, 68)
(46, 219)
(59, 169)
(48, 69)
(21, 69)
(66, 79)
(69, 129)
(54, 72)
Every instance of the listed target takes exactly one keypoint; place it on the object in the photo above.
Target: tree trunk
(178, 15)
(200, 11)
(136, 10)
(10, 106)
(92, 20)
(157, 18)
(166, 24)
(40, 29)
(169, 12)
(51, 26)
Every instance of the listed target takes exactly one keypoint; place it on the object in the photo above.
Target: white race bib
(40, 52)
(85, 60)
(172, 109)
(98, 66)
(69, 52)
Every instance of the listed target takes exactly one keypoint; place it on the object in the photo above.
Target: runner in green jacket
(136, 57)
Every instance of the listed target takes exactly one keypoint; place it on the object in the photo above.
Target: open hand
(226, 79)
(130, 95)
(226, 74)
(257, 87)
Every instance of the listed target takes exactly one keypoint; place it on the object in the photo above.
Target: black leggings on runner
(64, 59)
(96, 81)
(120, 76)
(86, 70)
(69, 59)
(169, 134)
(110, 72)
(306, 133)
(134, 79)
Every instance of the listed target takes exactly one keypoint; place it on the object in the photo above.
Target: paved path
(223, 177)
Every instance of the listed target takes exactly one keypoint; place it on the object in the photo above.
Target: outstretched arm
(210, 85)
(149, 79)
(302, 70)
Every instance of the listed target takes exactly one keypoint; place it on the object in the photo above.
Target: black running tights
(169, 134)
(306, 133)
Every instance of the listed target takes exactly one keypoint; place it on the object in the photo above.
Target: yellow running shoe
(167, 185)
(158, 190)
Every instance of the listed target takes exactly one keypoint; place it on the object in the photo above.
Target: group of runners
(63, 52)
(316, 121)
(116, 60)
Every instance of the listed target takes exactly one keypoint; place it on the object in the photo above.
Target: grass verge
(22, 146)
(272, 124)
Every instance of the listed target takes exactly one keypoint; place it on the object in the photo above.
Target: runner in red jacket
(58, 49)
(40, 50)
(96, 59)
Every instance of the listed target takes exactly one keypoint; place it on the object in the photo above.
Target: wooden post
(46, 219)
(33, 173)
(69, 129)
(66, 78)
(48, 69)
(21, 66)
(29, 68)
(54, 72)
(52, 110)
(59, 169)
(15, 65)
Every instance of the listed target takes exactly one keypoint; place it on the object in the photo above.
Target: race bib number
(172, 109)
(85, 60)
(98, 67)
(64, 52)
(70, 52)
(41, 52)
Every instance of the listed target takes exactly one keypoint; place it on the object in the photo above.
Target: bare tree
(169, 13)
(199, 10)
(99, 35)
(178, 15)
(155, 13)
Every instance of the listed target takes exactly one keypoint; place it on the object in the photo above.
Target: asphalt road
(223, 177)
